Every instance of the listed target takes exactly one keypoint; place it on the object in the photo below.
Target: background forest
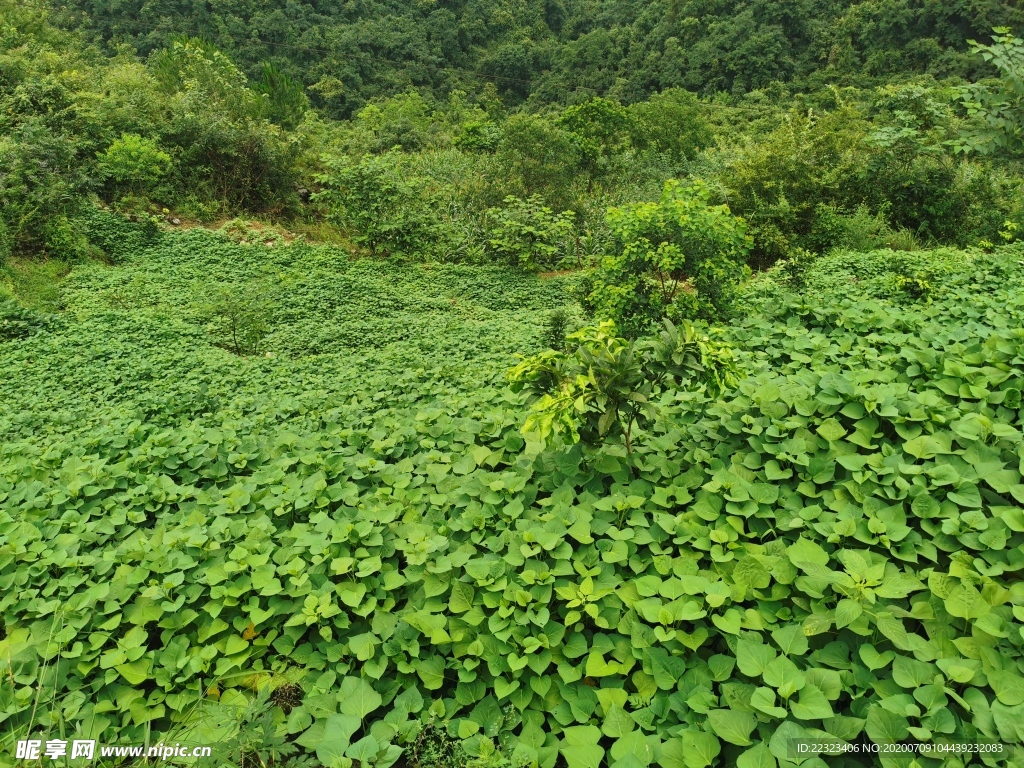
(584, 384)
(823, 124)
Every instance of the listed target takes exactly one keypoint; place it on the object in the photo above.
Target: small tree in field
(679, 258)
(529, 235)
(603, 387)
(378, 206)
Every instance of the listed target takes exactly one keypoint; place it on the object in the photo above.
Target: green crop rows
(831, 549)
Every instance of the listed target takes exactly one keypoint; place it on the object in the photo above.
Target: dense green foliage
(529, 235)
(185, 130)
(1001, 109)
(602, 388)
(679, 258)
(567, 50)
(344, 545)
(439, 463)
(178, 129)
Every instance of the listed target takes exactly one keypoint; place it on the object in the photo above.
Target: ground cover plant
(461, 385)
(344, 548)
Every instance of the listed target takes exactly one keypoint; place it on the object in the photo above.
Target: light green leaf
(847, 612)
(911, 673)
(580, 747)
(732, 725)
(758, 756)
(431, 672)
(364, 750)
(884, 726)
(137, 672)
(617, 721)
(872, 658)
(806, 551)
(461, 599)
(1008, 687)
(831, 430)
(784, 676)
(357, 697)
(763, 700)
(966, 602)
(812, 704)
(753, 657)
(699, 748)
(791, 639)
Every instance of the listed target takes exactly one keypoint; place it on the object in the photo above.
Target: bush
(478, 136)
(224, 147)
(285, 100)
(605, 387)
(134, 164)
(540, 158)
(680, 258)
(795, 267)
(556, 329)
(600, 128)
(239, 318)
(671, 122)
(998, 111)
(780, 183)
(528, 235)
(42, 192)
(379, 207)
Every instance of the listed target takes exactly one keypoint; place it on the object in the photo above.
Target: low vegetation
(823, 542)
(357, 419)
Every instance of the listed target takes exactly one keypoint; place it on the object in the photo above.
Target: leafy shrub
(377, 205)
(239, 318)
(42, 188)
(402, 121)
(600, 128)
(671, 122)
(528, 235)
(539, 158)
(781, 182)
(135, 164)
(837, 228)
(6, 246)
(286, 100)
(253, 737)
(796, 266)
(64, 238)
(1009, 232)
(998, 112)
(223, 144)
(479, 136)
(603, 388)
(678, 258)
(916, 278)
(556, 329)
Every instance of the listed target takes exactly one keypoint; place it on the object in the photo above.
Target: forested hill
(348, 52)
